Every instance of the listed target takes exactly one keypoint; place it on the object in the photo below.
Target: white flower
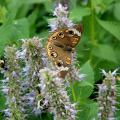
(5, 80)
(14, 74)
(13, 99)
(7, 113)
(5, 90)
(61, 19)
(21, 54)
(60, 11)
(26, 70)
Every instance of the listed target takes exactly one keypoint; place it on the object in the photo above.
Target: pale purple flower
(14, 74)
(25, 86)
(20, 54)
(6, 80)
(13, 99)
(7, 113)
(60, 11)
(5, 90)
(26, 70)
(28, 100)
(102, 88)
(61, 19)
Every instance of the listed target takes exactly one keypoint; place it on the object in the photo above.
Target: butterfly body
(61, 44)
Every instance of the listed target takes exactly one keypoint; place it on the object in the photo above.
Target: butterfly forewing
(61, 44)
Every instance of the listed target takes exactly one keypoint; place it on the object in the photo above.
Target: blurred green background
(99, 47)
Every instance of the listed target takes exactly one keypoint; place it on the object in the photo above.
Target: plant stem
(92, 23)
(73, 94)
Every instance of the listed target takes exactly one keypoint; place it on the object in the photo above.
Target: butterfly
(61, 44)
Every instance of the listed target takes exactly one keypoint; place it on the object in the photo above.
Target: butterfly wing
(59, 57)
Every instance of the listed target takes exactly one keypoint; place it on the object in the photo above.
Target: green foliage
(83, 12)
(105, 52)
(21, 19)
(99, 47)
(112, 27)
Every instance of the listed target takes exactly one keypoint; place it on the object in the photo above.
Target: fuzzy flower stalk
(56, 98)
(11, 85)
(33, 87)
(21, 79)
(107, 99)
(61, 19)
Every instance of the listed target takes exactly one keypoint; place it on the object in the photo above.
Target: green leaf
(17, 29)
(86, 85)
(88, 71)
(42, 116)
(13, 7)
(33, 1)
(111, 26)
(84, 88)
(73, 3)
(2, 14)
(104, 52)
(10, 33)
(79, 12)
(88, 110)
(117, 10)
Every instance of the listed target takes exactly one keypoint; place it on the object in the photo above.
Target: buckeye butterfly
(61, 44)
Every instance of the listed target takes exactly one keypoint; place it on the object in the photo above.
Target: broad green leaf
(13, 7)
(32, 19)
(105, 52)
(79, 12)
(24, 10)
(43, 116)
(49, 6)
(117, 10)
(102, 3)
(33, 1)
(18, 29)
(2, 2)
(87, 110)
(111, 26)
(86, 85)
(100, 6)
(10, 33)
(2, 14)
(83, 89)
(88, 71)
(73, 4)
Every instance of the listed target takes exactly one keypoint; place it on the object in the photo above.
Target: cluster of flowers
(32, 85)
(107, 96)
(61, 19)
